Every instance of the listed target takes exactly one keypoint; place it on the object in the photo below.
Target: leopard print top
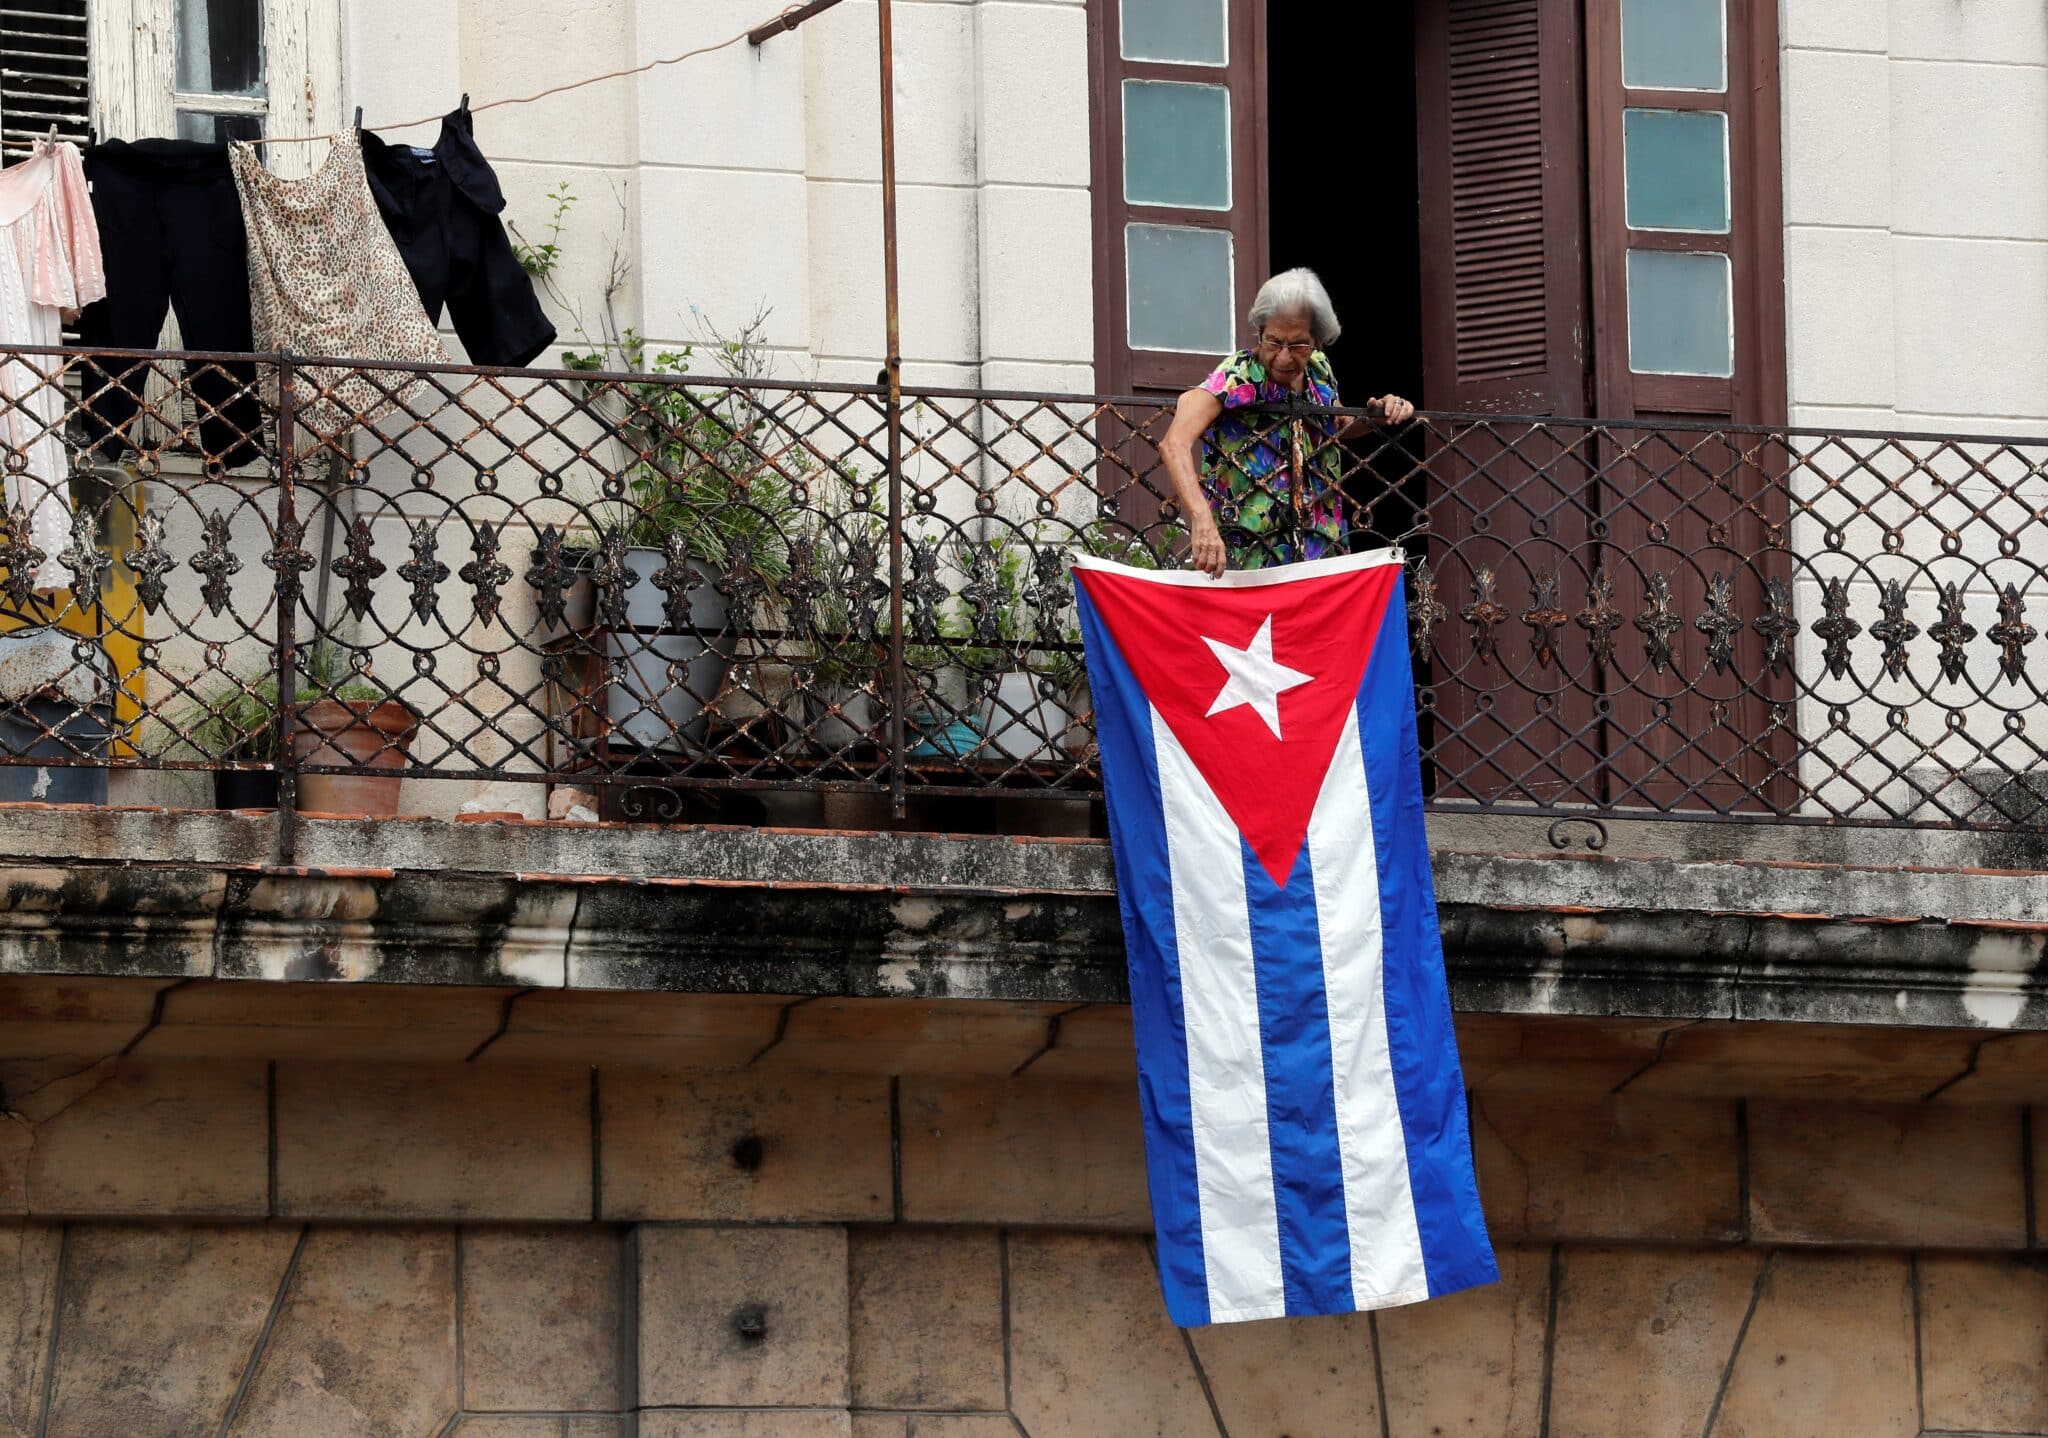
(325, 278)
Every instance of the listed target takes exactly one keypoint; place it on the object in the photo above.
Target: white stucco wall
(1916, 279)
(1916, 208)
(751, 177)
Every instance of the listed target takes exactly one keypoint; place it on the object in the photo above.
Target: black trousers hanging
(441, 206)
(172, 239)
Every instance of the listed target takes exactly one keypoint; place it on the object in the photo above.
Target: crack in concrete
(504, 1024)
(1663, 1039)
(781, 1028)
(1756, 1293)
(262, 1345)
(156, 1015)
(1052, 1037)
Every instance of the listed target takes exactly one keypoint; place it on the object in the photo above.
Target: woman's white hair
(1297, 292)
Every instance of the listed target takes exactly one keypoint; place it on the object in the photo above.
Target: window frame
(1754, 242)
(132, 55)
(1119, 367)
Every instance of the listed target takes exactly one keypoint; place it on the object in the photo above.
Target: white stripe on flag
(1226, 1065)
(1379, 1206)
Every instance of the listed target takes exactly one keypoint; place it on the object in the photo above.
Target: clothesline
(782, 15)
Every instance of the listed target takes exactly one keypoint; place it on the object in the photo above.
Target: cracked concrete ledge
(1752, 931)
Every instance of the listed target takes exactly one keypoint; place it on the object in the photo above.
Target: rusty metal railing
(289, 572)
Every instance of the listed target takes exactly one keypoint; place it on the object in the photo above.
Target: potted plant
(56, 703)
(703, 504)
(349, 720)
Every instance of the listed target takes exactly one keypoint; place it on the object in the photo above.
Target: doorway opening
(1340, 164)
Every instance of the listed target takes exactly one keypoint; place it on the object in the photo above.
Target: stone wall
(508, 1250)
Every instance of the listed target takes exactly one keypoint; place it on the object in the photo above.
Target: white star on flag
(1256, 678)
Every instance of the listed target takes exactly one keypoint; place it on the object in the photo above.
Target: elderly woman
(1250, 505)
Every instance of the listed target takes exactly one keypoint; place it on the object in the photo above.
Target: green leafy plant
(540, 260)
(711, 471)
(236, 718)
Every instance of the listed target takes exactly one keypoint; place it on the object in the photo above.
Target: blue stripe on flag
(1301, 1101)
(1427, 1079)
(1144, 891)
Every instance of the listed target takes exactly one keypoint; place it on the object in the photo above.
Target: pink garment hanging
(49, 263)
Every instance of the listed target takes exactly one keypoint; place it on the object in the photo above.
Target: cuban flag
(1305, 1129)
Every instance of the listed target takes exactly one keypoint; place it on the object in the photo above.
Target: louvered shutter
(43, 73)
(1501, 131)
(1502, 180)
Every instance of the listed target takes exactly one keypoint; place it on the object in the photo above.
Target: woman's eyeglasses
(1300, 349)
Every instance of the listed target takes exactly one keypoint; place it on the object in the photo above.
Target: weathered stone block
(132, 1138)
(663, 1030)
(904, 1036)
(745, 1146)
(1091, 1349)
(1545, 1054)
(440, 1141)
(1870, 1063)
(158, 1325)
(394, 1023)
(1293, 1376)
(1012, 1152)
(927, 1319)
(1093, 1045)
(541, 1318)
(1643, 1337)
(499, 1425)
(28, 1301)
(1470, 1363)
(365, 1340)
(1984, 1343)
(1658, 1169)
(1944, 1176)
(761, 1423)
(82, 1018)
(1828, 1350)
(739, 1317)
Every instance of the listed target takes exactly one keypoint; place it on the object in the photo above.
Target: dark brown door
(1504, 309)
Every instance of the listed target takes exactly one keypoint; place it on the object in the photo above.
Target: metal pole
(892, 378)
(787, 21)
(287, 618)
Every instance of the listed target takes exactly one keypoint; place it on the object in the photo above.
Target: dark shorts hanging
(171, 237)
(441, 206)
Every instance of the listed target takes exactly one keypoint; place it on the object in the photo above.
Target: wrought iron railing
(635, 584)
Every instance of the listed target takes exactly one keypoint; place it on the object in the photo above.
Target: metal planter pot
(664, 678)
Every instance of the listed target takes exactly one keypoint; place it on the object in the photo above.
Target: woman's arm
(1192, 417)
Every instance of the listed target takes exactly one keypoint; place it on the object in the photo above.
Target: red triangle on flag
(1218, 659)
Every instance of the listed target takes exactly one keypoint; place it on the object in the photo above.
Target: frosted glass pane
(1176, 145)
(1674, 45)
(1680, 320)
(1676, 166)
(1188, 32)
(1179, 283)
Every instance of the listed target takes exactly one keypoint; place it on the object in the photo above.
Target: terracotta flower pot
(365, 735)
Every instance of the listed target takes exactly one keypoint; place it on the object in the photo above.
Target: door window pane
(211, 129)
(1680, 318)
(1179, 283)
(1674, 45)
(220, 47)
(1176, 145)
(1675, 165)
(1185, 32)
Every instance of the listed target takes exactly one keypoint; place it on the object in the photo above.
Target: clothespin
(359, 119)
(465, 102)
(50, 143)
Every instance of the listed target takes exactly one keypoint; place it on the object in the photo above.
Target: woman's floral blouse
(1249, 461)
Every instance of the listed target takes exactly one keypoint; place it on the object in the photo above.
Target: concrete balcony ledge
(1667, 920)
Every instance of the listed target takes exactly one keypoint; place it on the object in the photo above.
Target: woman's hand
(1205, 543)
(1390, 409)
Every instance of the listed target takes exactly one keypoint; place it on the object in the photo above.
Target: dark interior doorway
(1340, 95)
